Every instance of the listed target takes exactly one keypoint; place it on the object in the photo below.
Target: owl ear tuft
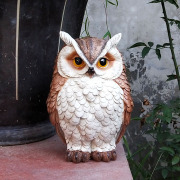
(110, 44)
(66, 38)
(71, 42)
(114, 40)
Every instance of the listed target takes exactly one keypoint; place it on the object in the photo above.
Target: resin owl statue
(89, 101)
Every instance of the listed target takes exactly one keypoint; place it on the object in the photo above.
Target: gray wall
(140, 21)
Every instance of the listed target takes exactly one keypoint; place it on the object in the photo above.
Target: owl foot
(77, 156)
(104, 156)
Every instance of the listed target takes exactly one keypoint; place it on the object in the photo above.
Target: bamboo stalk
(171, 43)
(17, 43)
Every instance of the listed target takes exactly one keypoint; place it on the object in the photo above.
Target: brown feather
(128, 102)
(91, 47)
(56, 85)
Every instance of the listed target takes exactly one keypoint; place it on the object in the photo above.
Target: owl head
(90, 57)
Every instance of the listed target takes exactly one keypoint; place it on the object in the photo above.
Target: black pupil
(78, 60)
(102, 61)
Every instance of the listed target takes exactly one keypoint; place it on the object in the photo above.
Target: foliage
(137, 167)
(111, 3)
(150, 45)
(173, 21)
(108, 34)
(86, 23)
(162, 124)
(174, 2)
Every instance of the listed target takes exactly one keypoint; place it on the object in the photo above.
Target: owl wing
(56, 85)
(128, 103)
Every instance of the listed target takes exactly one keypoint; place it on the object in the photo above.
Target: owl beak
(91, 71)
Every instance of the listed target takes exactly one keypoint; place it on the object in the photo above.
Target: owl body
(89, 101)
(91, 113)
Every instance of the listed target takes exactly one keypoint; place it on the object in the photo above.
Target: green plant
(86, 23)
(163, 121)
(162, 124)
(137, 161)
(108, 33)
(170, 45)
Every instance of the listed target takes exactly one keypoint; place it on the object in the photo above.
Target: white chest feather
(90, 108)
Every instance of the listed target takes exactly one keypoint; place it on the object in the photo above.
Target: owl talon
(97, 156)
(114, 155)
(69, 155)
(104, 156)
(85, 156)
(77, 156)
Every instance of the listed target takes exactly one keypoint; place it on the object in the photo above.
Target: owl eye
(78, 62)
(103, 62)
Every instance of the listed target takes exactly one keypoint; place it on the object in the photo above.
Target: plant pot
(23, 113)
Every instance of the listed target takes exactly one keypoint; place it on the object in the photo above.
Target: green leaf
(150, 44)
(117, 3)
(164, 173)
(155, 1)
(138, 169)
(175, 160)
(178, 25)
(136, 119)
(176, 168)
(127, 147)
(159, 46)
(111, 3)
(150, 119)
(146, 157)
(175, 137)
(87, 26)
(160, 116)
(145, 51)
(174, 2)
(167, 112)
(106, 3)
(167, 149)
(140, 149)
(171, 77)
(107, 34)
(174, 21)
(162, 136)
(158, 53)
(166, 44)
(137, 45)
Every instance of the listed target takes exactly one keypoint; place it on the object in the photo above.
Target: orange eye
(103, 63)
(78, 62)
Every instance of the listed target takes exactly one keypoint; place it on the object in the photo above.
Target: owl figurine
(89, 102)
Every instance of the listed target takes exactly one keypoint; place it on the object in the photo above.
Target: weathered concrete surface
(45, 160)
